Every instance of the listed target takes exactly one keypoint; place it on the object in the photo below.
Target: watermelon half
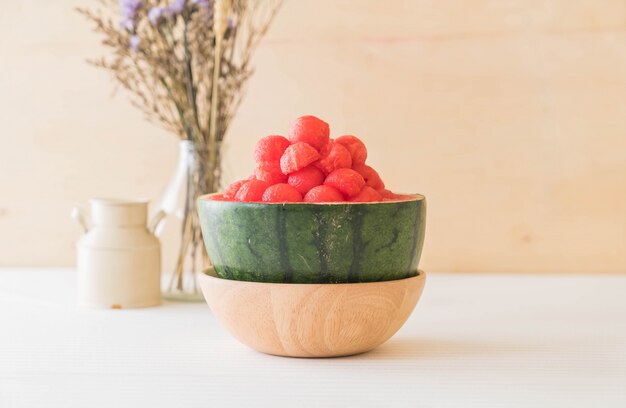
(313, 243)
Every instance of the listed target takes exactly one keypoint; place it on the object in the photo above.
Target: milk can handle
(77, 214)
(156, 220)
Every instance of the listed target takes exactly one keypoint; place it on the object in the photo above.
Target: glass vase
(183, 252)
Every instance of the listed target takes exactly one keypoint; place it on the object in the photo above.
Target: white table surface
(473, 341)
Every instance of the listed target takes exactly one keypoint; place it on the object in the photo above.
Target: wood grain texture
(508, 115)
(312, 320)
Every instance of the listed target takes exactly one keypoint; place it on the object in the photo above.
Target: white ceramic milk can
(119, 258)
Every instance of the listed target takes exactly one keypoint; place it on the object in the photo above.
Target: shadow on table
(426, 348)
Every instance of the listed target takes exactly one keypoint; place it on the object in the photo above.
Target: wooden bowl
(312, 320)
(341, 242)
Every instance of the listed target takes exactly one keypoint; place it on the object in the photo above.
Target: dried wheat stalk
(165, 54)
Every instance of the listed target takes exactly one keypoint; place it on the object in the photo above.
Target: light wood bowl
(312, 320)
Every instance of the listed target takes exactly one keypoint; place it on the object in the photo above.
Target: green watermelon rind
(314, 243)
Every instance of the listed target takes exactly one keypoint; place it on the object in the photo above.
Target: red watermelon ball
(387, 194)
(220, 197)
(269, 171)
(233, 188)
(323, 194)
(371, 176)
(391, 196)
(251, 190)
(367, 195)
(355, 146)
(305, 179)
(347, 181)
(334, 156)
(311, 130)
(270, 148)
(282, 193)
(298, 156)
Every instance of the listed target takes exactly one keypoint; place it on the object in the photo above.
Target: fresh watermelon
(314, 243)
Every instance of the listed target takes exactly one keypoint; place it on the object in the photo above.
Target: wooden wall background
(510, 116)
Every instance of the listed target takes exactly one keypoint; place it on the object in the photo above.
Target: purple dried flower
(155, 14)
(127, 24)
(129, 8)
(175, 7)
(134, 42)
(202, 3)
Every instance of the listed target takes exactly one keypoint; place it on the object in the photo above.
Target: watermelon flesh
(307, 159)
(313, 212)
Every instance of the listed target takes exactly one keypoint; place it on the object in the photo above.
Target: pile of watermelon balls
(309, 166)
